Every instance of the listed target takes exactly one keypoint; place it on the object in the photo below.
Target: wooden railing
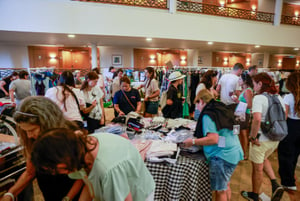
(162, 4)
(196, 7)
(290, 20)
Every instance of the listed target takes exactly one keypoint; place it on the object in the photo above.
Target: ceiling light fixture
(296, 48)
(257, 46)
(71, 36)
(148, 39)
(210, 43)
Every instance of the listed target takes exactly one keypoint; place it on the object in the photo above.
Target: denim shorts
(220, 172)
(151, 107)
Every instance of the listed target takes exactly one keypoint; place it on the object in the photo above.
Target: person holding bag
(127, 99)
(151, 93)
(93, 97)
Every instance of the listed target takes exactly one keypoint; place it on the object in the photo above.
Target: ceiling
(27, 38)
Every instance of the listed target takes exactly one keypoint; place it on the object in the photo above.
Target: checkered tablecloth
(186, 180)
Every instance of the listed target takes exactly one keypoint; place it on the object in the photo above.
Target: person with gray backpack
(264, 140)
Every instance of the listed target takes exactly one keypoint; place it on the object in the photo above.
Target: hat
(175, 76)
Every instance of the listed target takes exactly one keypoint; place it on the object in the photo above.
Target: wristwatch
(252, 138)
(193, 140)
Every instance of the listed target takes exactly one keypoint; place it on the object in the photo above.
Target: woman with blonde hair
(35, 115)
(289, 149)
(214, 131)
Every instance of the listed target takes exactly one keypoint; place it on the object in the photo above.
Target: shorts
(245, 124)
(257, 154)
(151, 107)
(220, 172)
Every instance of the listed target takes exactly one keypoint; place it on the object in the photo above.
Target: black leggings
(288, 152)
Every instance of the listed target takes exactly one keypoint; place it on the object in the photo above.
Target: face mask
(81, 174)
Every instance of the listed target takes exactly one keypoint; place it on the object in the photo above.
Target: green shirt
(119, 169)
(242, 99)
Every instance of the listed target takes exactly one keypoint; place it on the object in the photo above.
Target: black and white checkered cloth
(186, 180)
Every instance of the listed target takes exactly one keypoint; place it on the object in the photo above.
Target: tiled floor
(241, 179)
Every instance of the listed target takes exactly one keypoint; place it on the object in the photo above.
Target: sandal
(245, 194)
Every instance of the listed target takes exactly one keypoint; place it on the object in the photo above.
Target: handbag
(83, 115)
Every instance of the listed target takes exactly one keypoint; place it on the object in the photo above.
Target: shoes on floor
(246, 195)
(277, 194)
(290, 188)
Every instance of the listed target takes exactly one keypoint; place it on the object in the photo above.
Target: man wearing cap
(174, 108)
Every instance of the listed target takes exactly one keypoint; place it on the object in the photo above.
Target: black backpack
(275, 126)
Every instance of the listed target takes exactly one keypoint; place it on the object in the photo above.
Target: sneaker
(290, 188)
(277, 194)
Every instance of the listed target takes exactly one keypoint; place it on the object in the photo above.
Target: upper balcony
(247, 11)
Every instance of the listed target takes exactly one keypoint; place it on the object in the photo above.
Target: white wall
(107, 52)
(104, 19)
(12, 56)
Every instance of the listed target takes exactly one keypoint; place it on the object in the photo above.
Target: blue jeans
(220, 172)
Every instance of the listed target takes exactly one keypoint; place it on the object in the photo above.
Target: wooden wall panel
(227, 59)
(157, 57)
(60, 57)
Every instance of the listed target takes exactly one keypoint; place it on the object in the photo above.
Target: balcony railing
(142, 3)
(290, 20)
(196, 7)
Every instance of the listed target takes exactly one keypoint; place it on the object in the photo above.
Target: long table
(186, 180)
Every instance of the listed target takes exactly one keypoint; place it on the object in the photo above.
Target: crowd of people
(57, 144)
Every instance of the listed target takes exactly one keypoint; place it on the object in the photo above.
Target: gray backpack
(275, 126)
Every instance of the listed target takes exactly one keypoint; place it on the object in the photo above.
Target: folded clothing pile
(161, 151)
(142, 146)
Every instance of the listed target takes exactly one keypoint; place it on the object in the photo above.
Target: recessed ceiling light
(71, 36)
(148, 39)
(296, 48)
(210, 43)
(257, 46)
